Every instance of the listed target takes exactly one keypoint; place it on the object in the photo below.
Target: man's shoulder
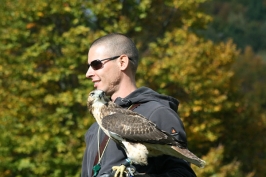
(153, 104)
(148, 108)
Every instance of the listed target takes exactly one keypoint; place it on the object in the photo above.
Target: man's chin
(95, 85)
(99, 88)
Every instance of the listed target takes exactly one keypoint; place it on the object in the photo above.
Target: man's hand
(129, 171)
(111, 174)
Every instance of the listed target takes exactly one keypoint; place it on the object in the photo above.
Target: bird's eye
(92, 93)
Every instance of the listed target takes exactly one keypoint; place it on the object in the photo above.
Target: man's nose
(89, 73)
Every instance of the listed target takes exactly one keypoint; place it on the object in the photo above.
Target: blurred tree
(248, 144)
(217, 167)
(43, 89)
(43, 46)
(241, 20)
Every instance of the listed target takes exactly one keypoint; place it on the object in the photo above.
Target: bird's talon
(119, 170)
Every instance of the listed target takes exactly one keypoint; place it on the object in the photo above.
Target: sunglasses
(98, 64)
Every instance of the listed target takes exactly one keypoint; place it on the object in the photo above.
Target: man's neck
(124, 91)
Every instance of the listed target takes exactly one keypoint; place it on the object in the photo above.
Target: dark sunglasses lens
(96, 64)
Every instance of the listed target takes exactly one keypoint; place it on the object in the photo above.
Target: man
(113, 61)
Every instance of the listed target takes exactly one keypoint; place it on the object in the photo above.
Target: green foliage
(42, 111)
(250, 70)
(217, 168)
(241, 20)
(43, 90)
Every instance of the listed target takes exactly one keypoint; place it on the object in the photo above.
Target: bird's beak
(102, 95)
(105, 98)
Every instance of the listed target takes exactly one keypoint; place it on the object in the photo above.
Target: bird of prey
(139, 137)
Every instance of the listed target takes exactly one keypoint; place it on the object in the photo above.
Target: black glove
(127, 174)
(141, 175)
(112, 175)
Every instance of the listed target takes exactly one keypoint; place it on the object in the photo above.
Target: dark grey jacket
(161, 110)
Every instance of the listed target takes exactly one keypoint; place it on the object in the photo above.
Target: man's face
(108, 77)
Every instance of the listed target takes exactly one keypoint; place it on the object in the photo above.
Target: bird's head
(97, 98)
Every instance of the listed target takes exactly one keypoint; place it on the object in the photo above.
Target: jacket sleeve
(167, 166)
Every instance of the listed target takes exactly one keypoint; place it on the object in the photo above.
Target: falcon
(139, 137)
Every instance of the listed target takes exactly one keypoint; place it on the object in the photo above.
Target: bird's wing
(136, 128)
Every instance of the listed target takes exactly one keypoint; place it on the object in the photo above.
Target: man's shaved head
(118, 44)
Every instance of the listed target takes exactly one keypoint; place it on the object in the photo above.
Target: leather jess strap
(133, 106)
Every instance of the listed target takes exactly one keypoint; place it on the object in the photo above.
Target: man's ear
(124, 62)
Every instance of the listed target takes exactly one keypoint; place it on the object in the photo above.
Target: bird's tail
(189, 156)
